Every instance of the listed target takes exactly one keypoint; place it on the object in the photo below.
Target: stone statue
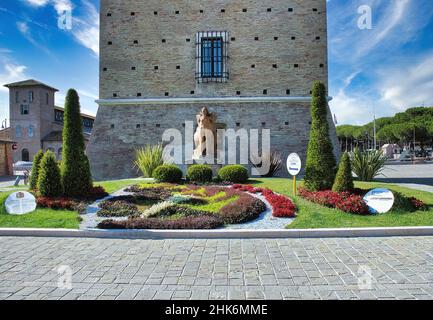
(205, 136)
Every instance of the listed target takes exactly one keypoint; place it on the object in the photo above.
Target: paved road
(402, 268)
(420, 174)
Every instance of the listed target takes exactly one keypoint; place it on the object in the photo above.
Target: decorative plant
(234, 173)
(149, 158)
(200, 173)
(344, 178)
(275, 163)
(321, 165)
(168, 173)
(35, 170)
(75, 169)
(367, 164)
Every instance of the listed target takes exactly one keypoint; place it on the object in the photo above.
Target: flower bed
(179, 208)
(204, 222)
(344, 201)
(354, 203)
(56, 203)
(282, 206)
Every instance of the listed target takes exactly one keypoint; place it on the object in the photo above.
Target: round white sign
(294, 164)
(19, 203)
(379, 200)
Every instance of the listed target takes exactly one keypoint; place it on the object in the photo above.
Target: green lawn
(41, 218)
(311, 216)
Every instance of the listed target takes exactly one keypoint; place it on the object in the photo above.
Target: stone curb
(220, 234)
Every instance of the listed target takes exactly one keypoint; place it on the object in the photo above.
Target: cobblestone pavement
(402, 268)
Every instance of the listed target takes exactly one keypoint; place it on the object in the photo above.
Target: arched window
(25, 155)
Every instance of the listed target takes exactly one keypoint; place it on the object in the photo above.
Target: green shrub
(75, 170)
(344, 179)
(168, 173)
(234, 174)
(367, 164)
(321, 165)
(49, 180)
(149, 158)
(275, 163)
(200, 173)
(35, 170)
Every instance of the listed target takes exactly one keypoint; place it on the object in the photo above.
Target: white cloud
(59, 5)
(86, 28)
(408, 86)
(37, 3)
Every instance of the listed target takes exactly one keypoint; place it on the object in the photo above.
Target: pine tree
(76, 177)
(321, 165)
(49, 180)
(35, 170)
(344, 179)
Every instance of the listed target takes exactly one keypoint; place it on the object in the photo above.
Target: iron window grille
(212, 56)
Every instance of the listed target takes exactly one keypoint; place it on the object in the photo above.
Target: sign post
(294, 165)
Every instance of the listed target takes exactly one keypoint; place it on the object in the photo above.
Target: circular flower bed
(167, 206)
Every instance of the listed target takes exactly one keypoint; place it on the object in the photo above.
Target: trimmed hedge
(35, 170)
(200, 173)
(49, 180)
(344, 178)
(75, 169)
(168, 173)
(320, 168)
(234, 174)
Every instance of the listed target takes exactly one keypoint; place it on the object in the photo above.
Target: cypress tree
(321, 164)
(344, 179)
(76, 177)
(35, 170)
(49, 180)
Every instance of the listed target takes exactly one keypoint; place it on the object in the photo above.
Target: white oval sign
(379, 200)
(20, 203)
(294, 164)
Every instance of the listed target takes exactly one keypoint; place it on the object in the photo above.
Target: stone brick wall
(119, 130)
(276, 50)
(132, 35)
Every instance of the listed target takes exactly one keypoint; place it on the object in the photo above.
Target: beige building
(35, 122)
(252, 63)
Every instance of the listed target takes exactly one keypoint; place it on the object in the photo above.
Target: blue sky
(382, 70)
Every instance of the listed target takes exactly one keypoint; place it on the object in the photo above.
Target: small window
(155, 13)
(269, 10)
(110, 43)
(139, 94)
(244, 10)
(17, 97)
(167, 94)
(132, 13)
(25, 155)
(24, 109)
(211, 56)
(293, 38)
(58, 116)
(133, 68)
(47, 98)
(31, 96)
(177, 12)
(18, 132)
(290, 9)
(265, 92)
(288, 91)
(31, 131)
(108, 14)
